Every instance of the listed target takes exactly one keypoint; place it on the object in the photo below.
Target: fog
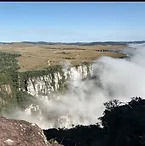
(83, 102)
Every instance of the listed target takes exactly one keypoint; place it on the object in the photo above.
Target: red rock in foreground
(20, 133)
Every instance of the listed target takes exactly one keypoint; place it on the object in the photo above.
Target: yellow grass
(35, 57)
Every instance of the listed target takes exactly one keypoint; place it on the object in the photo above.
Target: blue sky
(72, 22)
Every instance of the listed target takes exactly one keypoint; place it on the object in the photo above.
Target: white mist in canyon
(83, 102)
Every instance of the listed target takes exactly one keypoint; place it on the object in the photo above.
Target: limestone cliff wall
(50, 81)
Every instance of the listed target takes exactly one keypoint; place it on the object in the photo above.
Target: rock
(20, 133)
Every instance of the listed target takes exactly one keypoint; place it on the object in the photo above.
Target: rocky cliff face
(6, 95)
(41, 85)
(53, 81)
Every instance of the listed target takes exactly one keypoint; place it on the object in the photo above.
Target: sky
(72, 21)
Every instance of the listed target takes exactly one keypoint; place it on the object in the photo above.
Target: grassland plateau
(37, 56)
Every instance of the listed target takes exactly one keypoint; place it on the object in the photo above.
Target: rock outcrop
(20, 133)
(5, 93)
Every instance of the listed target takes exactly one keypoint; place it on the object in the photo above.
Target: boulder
(20, 133)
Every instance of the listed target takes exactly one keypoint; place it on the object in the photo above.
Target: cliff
(53, 79)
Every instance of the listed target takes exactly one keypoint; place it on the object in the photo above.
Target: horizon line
(25, 41)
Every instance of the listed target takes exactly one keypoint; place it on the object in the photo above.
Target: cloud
(83, 102)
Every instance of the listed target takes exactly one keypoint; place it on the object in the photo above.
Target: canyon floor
(39, 56)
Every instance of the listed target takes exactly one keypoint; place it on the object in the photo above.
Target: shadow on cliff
(121, 125)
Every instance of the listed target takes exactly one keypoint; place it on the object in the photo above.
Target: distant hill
(79, 43)
(86, 43)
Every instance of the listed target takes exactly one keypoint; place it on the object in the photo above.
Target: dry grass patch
(38, 56)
